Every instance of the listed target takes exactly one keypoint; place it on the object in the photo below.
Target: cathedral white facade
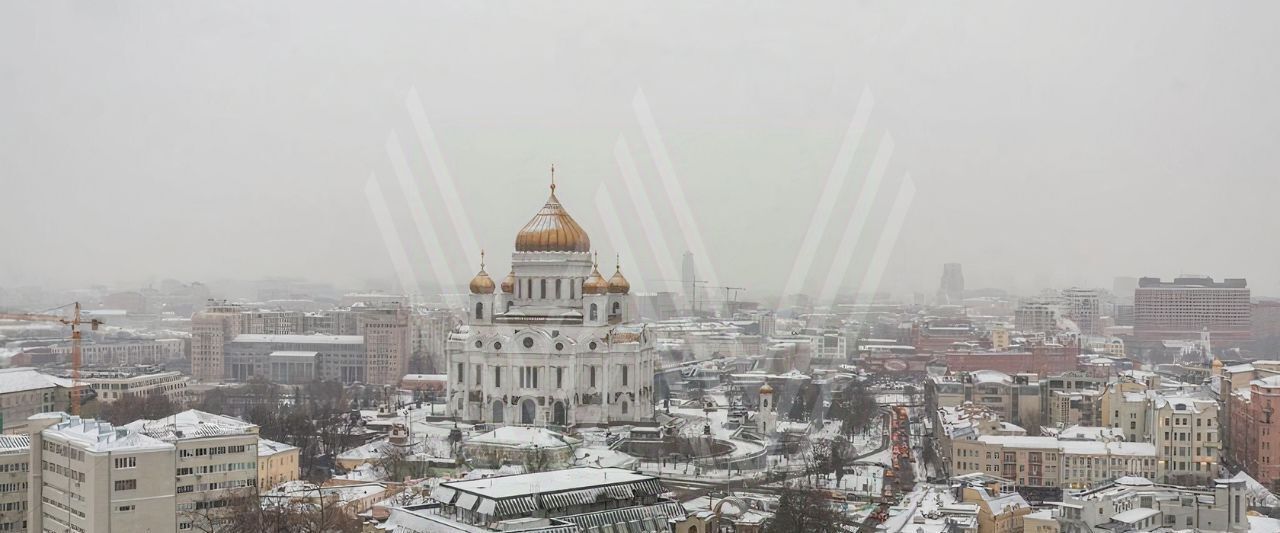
(551, 344)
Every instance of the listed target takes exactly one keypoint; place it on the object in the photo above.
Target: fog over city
(1047, 146)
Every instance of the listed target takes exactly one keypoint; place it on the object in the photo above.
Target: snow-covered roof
(15, 443)
(1019, 441)
(300, 339)
(191, 424)
(522, 437)
(1135, 515)
(546, 482)
(268, 447)
(25, 379)
(991, 376)
(101, 436)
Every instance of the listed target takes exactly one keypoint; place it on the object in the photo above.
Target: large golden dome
(552, 230)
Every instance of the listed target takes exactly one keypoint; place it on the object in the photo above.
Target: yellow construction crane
(75, 322)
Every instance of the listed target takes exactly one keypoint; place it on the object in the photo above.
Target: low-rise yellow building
(277, 463)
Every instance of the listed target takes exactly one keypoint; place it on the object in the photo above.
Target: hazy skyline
(1048, 145)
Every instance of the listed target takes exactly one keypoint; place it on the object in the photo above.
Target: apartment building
(1182, 426)
(25, 392)
(1255, 432)
(1186, 438)
(1014, 399)
(1053, 462)
(90, 477)
(113, 385)
(15, 463)
(127, 352)
(215, 461)
(174, 474)
(1137, 504)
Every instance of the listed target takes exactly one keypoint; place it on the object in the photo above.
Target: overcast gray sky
(1047, 145)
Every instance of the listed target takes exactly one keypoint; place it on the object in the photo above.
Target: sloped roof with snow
(25, 379)
(192, 424)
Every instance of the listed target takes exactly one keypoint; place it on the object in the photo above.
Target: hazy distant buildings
(1082, 307)
(1189, 305)
(951, 290)
(1037, 314)
(387, 334)
(296, 358)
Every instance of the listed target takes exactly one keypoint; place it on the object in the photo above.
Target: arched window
(509, 306)
(573, 284)
(479, 311)
(594, 314)
(557, 289)
(528, 293)
(542, 288)
(624, 408)
(617, 308)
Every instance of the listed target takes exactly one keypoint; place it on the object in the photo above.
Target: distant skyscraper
(951, 290)
(689, 280)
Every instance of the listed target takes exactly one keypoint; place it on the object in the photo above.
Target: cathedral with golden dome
(552, 343)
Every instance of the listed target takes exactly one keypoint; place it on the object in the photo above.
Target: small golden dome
(1217, 363)
(766, 389)
(595, 284)
(509, 282)
(552, 229)
(617, 283)
(482, 283)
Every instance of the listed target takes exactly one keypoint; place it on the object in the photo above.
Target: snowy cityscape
(293, 267)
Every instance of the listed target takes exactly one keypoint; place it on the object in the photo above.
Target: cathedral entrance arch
(559, 415)
(528, 411)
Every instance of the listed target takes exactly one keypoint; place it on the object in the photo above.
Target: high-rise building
(689, 281)
(1082, 307)
(552, 344)
(388, 344)
(951, 290)
(1184, 308)
(216, 325)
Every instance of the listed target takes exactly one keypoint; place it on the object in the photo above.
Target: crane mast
(75, 322)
